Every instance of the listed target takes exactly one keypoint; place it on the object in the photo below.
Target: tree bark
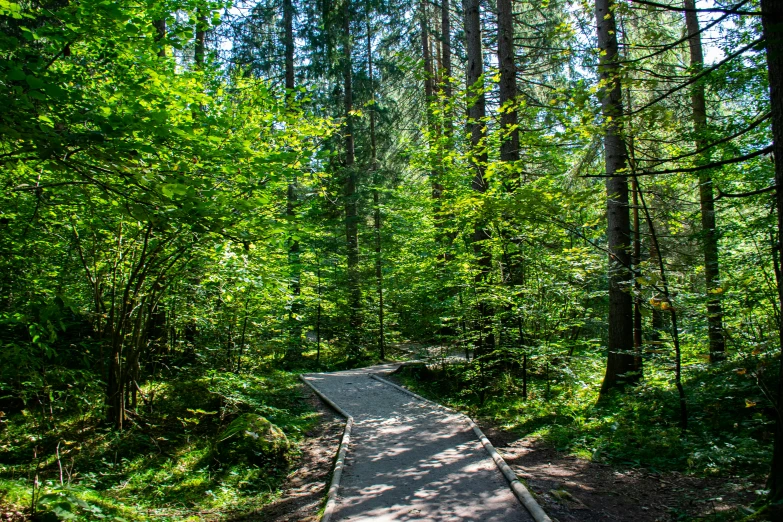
(475, 86)
(427, 56)
(476, 124)
(637, 299)
(509, 147)
(445, 72)
(376, 199)
(295, 329)
(288, 43)
(620, 361)
(349, 193)
(636, 257)
(201, 33)
(706, 198)
(772, 24)
(160, 34)
(445, 27)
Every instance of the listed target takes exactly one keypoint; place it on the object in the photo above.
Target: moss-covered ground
(58, 454)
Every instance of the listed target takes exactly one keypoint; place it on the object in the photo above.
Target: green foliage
(173, 250)
(730, 430)
(166, 462)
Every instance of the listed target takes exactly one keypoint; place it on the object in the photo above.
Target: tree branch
(667, 47)
(697, 77)
(722, 194)
(738, 159)
(684, 10)
(752, 126)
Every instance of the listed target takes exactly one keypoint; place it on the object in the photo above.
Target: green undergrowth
(165, 464)
(730, 418)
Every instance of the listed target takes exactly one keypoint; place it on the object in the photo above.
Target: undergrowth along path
(409, 460)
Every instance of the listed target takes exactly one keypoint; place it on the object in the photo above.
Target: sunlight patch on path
(409, 461)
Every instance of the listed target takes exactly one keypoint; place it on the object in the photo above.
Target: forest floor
(305, 489)
(642, 468)
(574, 489)
(568, 488)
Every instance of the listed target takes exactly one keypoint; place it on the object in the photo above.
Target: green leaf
(34, 82)
(17, 74)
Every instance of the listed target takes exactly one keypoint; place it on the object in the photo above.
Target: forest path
(408, 460)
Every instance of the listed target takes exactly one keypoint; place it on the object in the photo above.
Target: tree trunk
(476, 114)
(445, 72)
(115, 387)
(475, 86)
(772, 23)
(706, 199)
(427, 57)
(509, 148)
(294, 329)
(318, 314)
(201, 33)
(620, 362)
(160, 34)
(636, 258)
(429, 99)
(376, 199)
(288, 43)
(637, 300)
(349, 194)
(667, 299)
(445, 27)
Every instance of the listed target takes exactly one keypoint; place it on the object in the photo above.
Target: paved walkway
(409, 461)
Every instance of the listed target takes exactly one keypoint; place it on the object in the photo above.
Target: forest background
(201, 200)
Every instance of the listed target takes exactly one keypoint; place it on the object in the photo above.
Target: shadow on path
(410, 461)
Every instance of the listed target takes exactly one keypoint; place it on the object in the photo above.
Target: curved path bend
(410, 461)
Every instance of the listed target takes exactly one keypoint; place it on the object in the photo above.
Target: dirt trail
(410, 461)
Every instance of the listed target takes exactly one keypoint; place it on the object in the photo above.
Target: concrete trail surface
(409, 461)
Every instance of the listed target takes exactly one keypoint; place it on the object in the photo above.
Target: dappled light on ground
(411, 461)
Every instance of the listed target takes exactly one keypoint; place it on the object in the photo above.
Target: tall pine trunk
(636, 257)
(620, 363)
(295, 329)
(445, 91)
(349, 193)
(160, 34)
(706, 198)
(509, 148)
(376, 200)
(476, 124)
(445, 72)
(201, 33)
(772, 23)
(429, 98)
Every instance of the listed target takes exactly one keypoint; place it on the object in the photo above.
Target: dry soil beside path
(410, 461)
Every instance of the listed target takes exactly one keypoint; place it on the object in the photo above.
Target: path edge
(337, 473)
(520, 491)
